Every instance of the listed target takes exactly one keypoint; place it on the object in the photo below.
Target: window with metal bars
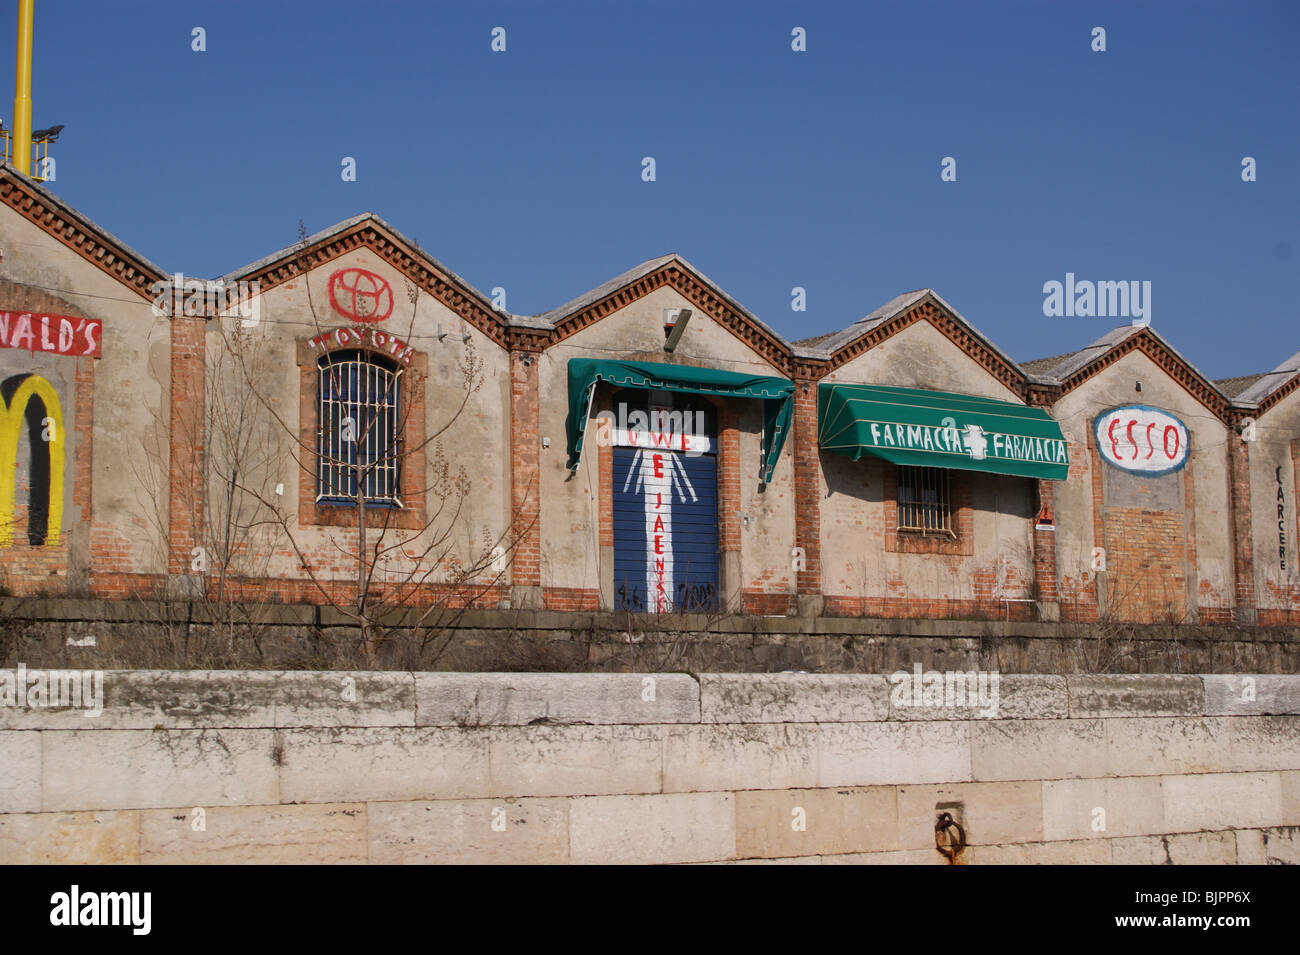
(924, 501)
(357, 444)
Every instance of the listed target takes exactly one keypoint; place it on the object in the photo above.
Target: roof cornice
(700, 292)
(1170, 362)
(78, 233)
(930, 309)
(410, 261)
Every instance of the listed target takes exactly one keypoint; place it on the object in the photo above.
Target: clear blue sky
(774, 169)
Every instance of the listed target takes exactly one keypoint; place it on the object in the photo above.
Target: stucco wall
(652, 768)
(855, 563)
(473, 440)
(131, 385)
(569, 520)
(1276, 445)
(1211, 583)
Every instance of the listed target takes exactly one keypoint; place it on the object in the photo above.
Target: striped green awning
(940, 430)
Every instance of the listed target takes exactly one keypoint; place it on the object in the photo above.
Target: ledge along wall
(283, 767)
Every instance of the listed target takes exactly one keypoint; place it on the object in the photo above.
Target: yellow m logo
(32, 399)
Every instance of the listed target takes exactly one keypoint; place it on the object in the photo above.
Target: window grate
(358, 437)
(924, 501)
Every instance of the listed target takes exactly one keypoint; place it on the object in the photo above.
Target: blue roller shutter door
(665, 531)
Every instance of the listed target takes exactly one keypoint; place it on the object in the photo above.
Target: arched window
(357, 445)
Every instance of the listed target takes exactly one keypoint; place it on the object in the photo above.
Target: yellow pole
(22, 134)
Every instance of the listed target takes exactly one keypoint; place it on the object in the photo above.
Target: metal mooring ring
(955, 844)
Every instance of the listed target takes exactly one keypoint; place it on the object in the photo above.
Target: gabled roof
(672, 271)
(1070, 370)
(1271, 387)
(898, 313)
(1233, 387)
(405, 255)
(96, 245)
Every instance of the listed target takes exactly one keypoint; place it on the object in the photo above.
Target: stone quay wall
(399, 767)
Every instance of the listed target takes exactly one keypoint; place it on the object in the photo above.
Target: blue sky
(774, 168)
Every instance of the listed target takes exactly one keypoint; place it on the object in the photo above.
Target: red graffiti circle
(360, 295)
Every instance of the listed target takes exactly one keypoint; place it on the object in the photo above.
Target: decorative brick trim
(956, 331)
(963, 519)
(807, 487)
(79, 235)
(699, 293)
(604, 402)
(1243, 551)
(1275, 396)
(410, 262)
(729, 490)
(1192, 568)
(1044, 544)
(271, 590)
(412, 475)
(525, 469)
(895, 608)
(1184, 374)
(766, 604)
(570, 598)
(187, 482)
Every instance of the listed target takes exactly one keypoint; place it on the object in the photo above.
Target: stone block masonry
(335, 767)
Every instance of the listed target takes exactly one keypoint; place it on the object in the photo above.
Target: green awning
(940, 430)
(777, 395)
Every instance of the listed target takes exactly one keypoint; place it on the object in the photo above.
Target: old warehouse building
(650, 446)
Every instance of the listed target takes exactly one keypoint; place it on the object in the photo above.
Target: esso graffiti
(1142, 440)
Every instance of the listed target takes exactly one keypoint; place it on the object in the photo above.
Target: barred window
(924, 501)
(358, 437)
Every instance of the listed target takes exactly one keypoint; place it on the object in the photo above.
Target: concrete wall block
(340, 698)
(1077, 852)
(990, 813)
(20, 781)
(793, 697)
(1125, 695)
(1038, 749)
(1020, 696)
(1213, 801)
(519, 699)
(1214, 744)
(470, 832)
(900, 857)
(382, 763)
(70, 838)
(1290, 798)
(1282, 845)
(1103, 808)
(1192, 848)
(575, 760)
(322, 833)
(140, 769)
(1250, 695)
(144, 699)
(1250, 847)
(641, 830)
(877, 754)
(733, 756)
(810, 822)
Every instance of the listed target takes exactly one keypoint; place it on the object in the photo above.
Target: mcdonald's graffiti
(32, 401)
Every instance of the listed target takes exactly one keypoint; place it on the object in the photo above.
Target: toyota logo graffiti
(1142, 440)
(360, 295)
